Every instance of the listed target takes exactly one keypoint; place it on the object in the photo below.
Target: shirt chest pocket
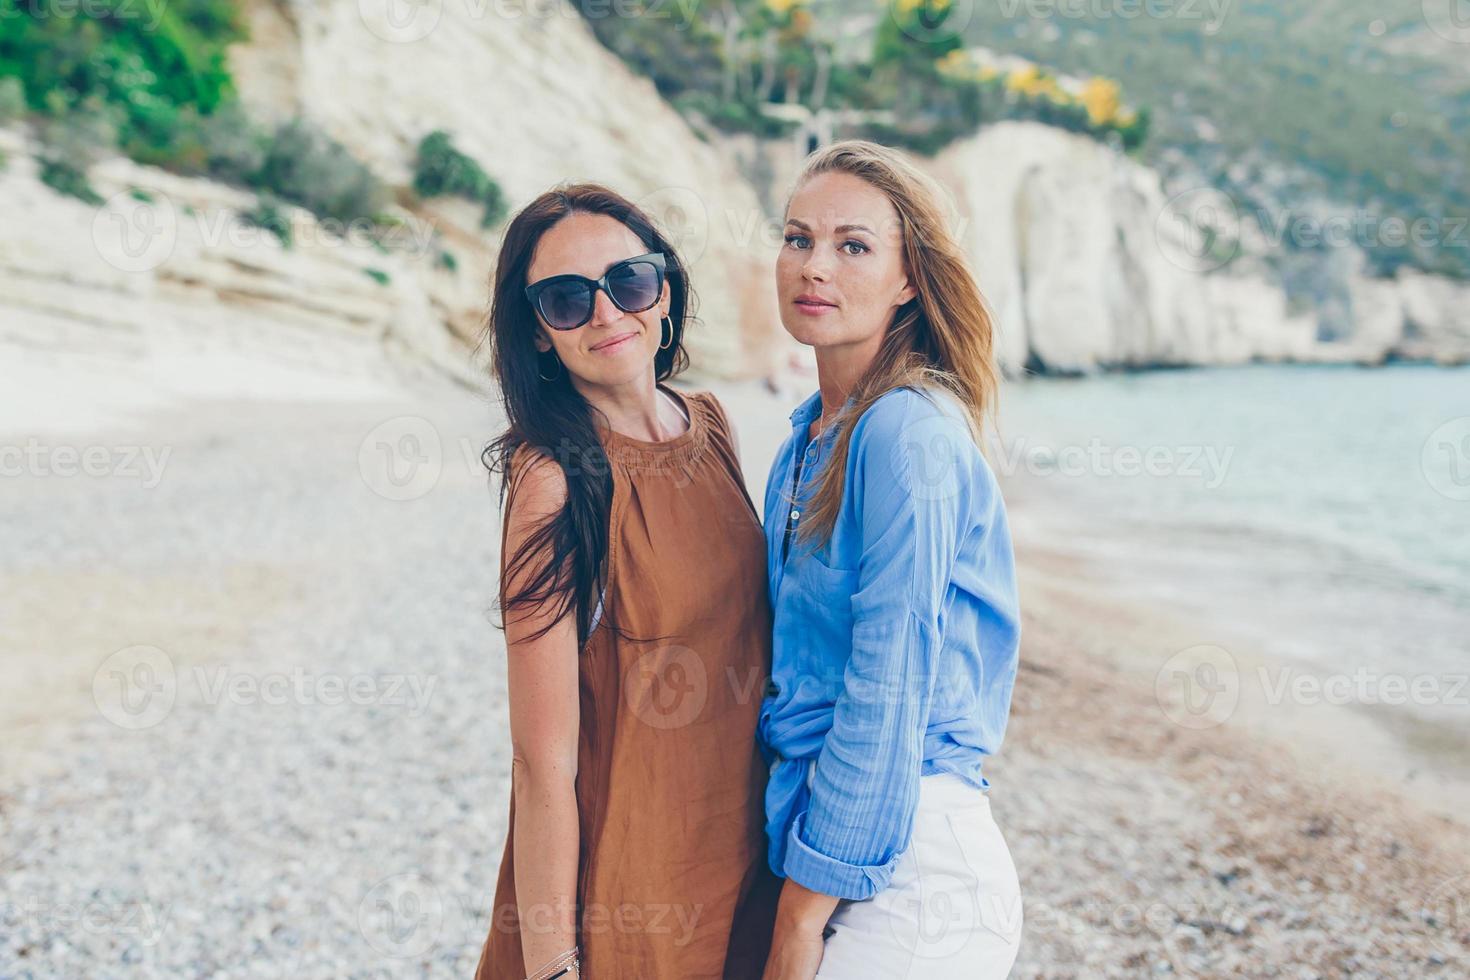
(814, 610)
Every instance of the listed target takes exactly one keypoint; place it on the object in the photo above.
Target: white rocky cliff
(534, 97)
(1085, 261)
(1087, 264)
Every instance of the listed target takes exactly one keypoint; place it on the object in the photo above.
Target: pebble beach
(259, 728)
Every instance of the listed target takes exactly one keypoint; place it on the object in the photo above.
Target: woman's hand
(793, 957)
(796, 943)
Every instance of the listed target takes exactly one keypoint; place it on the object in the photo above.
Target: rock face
(165, 265)
(529, 92)
(1087, 265)
(1085, 262)
(526, 89)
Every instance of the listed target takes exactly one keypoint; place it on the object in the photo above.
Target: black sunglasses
(566, 302)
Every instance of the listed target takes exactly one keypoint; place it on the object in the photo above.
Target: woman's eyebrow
(839, 230)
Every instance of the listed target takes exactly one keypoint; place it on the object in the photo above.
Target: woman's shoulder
(704, 398)
(903, 412)
(536, 483)
(709, 406)
(925, 429)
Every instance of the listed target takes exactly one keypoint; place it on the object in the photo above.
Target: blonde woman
(896, 617)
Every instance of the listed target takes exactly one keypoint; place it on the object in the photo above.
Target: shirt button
(772, 689)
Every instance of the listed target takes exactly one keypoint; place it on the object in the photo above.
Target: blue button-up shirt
(895, 641)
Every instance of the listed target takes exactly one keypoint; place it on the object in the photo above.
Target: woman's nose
(604, 310)
(815, 267)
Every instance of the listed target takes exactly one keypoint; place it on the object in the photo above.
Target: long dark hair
(563, 558)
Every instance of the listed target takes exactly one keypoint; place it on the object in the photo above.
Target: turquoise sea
(1326, 509)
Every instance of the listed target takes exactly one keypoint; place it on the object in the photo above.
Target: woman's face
(840, 275)
(613, 347)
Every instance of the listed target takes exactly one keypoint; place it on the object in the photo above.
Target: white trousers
(953, 907)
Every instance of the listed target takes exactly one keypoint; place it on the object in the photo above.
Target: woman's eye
(796, 241)
(861, 248)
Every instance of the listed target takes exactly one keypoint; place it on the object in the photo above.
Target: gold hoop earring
(671, 333)
(558, 366)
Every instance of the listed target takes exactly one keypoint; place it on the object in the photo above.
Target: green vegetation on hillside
(152, 81)
(441, 169)
(910, 84)
(1287, 106)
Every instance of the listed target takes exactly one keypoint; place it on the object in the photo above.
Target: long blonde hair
(942, 338)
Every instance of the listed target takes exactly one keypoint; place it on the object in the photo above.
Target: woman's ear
(542, 342)
(907, 293)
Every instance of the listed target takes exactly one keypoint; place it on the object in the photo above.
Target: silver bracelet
(565, 964)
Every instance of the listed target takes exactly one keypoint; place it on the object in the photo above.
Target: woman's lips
(613, 346)
(813, 308)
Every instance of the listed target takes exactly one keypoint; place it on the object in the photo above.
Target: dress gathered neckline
(686, 447)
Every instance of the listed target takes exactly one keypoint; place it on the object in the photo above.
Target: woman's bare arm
(544, 718)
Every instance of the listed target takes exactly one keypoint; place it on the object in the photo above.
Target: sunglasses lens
(635, 286)
(565, 305)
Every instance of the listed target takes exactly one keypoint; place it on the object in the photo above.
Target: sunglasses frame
(533, 292)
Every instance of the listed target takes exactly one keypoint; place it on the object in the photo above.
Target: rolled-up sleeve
(910, 485)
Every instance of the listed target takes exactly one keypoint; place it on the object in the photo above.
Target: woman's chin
(613, 371)
(813, 331)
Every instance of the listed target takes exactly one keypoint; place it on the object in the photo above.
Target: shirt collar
(807, 411)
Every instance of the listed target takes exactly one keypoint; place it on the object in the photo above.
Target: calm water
(1328, 505)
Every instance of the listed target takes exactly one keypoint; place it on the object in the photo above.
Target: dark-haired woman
(636, 618)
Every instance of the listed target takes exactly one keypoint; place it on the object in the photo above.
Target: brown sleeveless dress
(672, 877)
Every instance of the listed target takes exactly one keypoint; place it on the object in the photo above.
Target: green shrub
(65, 178)
(303, 165)
(72, 143)
(270, 214)
(441, 170)
(82, 136)
(12, 100)
(150, 61)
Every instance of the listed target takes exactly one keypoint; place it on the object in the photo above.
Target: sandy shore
(264, 838)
